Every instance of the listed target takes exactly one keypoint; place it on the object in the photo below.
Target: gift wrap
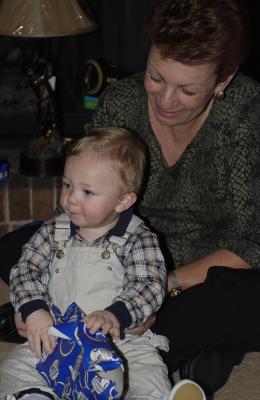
(82, 365)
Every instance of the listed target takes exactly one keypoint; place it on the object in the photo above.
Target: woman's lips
(168, 113)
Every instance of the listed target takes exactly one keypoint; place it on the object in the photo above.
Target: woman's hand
(20, 325)
(143, 328)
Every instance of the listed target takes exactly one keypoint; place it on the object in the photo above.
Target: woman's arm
(196, 272)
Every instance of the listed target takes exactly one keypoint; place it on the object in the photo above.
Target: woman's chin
(169, 119)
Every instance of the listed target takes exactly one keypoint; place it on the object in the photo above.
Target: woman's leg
(11, 247)
(220, 314)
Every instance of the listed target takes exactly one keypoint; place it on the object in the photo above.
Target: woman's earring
(219, 95)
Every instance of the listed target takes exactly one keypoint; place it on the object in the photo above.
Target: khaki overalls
(92, 277)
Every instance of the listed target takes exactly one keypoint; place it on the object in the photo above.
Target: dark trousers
(220, 313)
(11, 247)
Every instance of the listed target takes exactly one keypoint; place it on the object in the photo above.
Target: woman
(200, 119)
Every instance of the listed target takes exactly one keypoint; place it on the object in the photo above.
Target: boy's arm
(144, 282)
(29, 277)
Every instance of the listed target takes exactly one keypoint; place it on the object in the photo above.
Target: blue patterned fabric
(77, 366)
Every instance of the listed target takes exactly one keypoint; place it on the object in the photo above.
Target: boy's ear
(126, 201)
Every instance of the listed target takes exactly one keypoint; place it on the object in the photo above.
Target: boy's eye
(66, 185)
(88, 193)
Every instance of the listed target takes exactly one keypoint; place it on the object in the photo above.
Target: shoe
(35, 396)
(8, 332)
(187, 390)
(210, 368)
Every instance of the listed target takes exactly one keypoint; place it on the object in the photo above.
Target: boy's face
(91, 193)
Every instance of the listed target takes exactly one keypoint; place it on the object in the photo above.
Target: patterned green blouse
(210, 199)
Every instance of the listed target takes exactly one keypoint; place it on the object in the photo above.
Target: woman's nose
(169, 98)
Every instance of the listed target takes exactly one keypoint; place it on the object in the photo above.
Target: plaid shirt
(144, 279)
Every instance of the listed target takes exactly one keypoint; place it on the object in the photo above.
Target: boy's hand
(37, 324)
(103, 320)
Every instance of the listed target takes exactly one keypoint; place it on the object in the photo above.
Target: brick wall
(24, 199)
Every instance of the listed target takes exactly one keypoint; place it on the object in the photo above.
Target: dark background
(119, 39)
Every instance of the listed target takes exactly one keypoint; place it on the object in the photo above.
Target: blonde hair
(122, 149)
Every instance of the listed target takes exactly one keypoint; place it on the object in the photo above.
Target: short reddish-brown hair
(200, 31)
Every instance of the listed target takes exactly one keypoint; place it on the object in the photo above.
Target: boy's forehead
(98, 155)
(89, 161)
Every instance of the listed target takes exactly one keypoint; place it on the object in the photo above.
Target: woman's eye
(157, 80)
(187, 92)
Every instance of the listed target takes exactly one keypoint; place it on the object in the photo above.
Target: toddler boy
(98, 254)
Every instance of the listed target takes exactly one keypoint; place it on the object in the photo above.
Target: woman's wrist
(174, 286)
(175, 280)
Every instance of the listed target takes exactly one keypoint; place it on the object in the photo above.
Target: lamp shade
(43, 18)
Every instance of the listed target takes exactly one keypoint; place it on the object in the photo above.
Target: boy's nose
(72, 198)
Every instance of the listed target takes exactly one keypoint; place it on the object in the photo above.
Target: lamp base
(41, 168)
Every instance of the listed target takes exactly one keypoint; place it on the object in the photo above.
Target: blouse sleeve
(120, 104)
(243, 230)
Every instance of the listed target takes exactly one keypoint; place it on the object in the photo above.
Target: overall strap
(62, 228)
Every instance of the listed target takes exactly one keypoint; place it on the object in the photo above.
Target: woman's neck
(175, 139)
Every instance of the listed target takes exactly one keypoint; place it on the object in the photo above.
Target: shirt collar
(118, 230)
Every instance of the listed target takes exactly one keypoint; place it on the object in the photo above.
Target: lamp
(42, 19)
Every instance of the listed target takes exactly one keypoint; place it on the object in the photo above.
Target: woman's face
(178, 93)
